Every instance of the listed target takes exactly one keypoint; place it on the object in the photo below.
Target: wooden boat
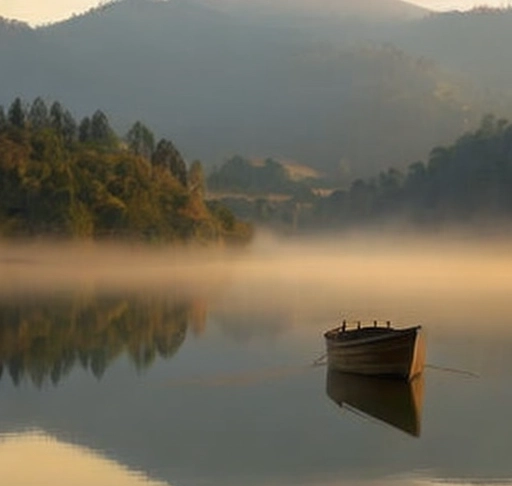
(398, 403)
(376, 350)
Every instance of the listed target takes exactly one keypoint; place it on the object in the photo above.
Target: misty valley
(192, 192)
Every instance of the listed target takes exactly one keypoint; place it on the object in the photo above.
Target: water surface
(136, 367)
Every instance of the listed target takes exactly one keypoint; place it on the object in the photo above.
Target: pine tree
(69, 128)
(166, 155)
(101, 132)
(3, 119)
(141, 140)
(84, 130)
(38, 114)
(16, 115)
(56, 116)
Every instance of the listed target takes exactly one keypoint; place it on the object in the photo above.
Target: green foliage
(196, 180)
(468, 181)
(3, 119)
(101, 133)
(38, 116)
(141, 140)
(239, 175)
(267, 192)
(69, 129)
(16, 115)
(471, 178)
(59, 120)
(84, 130)
(224, 215)
(56, 116)
(166, 155)
(53, 184)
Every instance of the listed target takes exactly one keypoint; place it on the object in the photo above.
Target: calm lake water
(132, 367)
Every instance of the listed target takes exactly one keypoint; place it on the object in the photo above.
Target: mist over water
(361, 276)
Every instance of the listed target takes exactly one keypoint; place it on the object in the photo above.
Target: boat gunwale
(331, 336)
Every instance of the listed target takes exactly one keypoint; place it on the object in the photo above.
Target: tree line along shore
(64, 178)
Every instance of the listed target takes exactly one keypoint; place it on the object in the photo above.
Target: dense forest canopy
(66, 178)
(249, 177)
(468, 181)
(464, 182)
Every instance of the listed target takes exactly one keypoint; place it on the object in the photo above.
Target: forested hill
(475, 43)
(468, 181)
(68, 179)
(370, 10)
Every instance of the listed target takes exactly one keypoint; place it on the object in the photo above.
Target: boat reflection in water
(395, 402)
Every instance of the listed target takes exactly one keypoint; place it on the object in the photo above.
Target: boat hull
(393, 353)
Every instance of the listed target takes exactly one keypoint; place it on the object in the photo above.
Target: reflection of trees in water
(44, 339)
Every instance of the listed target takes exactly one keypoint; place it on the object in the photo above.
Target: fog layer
(360, 277)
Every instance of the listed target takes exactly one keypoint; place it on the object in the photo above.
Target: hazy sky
(38, 11)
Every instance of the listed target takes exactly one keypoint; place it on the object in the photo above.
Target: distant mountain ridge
(218, 85)
(380, 10)
(12, 26)
(368, 9)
